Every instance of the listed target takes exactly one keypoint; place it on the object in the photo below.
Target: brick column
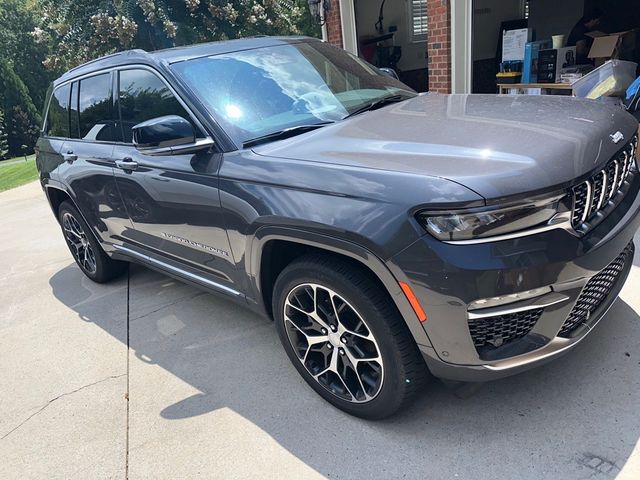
(439, 45)
(334, 24)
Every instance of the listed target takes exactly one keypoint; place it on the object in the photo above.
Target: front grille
(595, 292)
(493, 332)
(594, 194)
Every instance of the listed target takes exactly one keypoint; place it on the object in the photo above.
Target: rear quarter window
(58, 114)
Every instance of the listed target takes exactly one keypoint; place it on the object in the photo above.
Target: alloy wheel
(79, 243)
(333, 342)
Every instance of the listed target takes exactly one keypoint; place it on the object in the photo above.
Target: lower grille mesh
(493, 332)
(595, 293)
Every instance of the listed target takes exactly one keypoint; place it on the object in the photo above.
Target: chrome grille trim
(623, 170)
(598, 189)
(587, 202)
(593, 195)
(616, 179)
(603, 194)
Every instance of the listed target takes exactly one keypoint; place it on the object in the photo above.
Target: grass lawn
(17, 174)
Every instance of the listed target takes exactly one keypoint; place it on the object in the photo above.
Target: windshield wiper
(381, 102)
(282, 134)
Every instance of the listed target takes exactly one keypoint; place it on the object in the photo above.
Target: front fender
(337, 246)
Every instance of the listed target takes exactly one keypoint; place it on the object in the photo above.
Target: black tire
(97, 265)
(405, 371)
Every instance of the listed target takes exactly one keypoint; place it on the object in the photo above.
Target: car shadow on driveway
(571, 418)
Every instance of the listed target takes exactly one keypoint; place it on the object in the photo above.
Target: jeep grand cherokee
(390, 235)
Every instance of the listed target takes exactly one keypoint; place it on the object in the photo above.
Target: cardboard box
(619, 45)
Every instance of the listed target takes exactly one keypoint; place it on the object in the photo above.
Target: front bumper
(448, 278)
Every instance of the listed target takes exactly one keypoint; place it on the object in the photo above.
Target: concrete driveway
(150, 378)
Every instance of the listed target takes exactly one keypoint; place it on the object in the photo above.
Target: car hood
(496, 145)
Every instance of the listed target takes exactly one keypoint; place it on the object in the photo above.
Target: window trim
(118, 68)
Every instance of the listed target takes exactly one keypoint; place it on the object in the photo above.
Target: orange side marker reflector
(417, 308)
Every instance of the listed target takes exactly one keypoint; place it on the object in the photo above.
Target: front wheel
(345, 336)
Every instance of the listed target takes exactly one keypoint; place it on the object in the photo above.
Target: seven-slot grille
(593, 195)
(493, 332)
(595, 292)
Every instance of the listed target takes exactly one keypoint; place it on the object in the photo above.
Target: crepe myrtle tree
(78, 30)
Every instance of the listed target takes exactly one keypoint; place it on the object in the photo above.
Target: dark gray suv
(390, 235)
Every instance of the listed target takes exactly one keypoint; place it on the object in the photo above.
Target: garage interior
(393, 33)
(545, 18)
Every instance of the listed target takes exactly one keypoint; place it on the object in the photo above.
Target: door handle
(69, 157)
(127, 164)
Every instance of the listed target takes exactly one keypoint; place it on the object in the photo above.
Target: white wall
(461, 45)
(488, 15)
(395, 13)
(554, 17)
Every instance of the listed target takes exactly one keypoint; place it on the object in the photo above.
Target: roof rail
(137, 50)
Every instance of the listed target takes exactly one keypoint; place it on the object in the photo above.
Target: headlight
(467, 225)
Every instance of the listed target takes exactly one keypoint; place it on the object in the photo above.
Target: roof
(178, 54)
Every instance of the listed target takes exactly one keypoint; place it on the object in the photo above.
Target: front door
(173, 201)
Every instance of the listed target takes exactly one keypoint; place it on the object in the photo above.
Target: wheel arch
(56, 195)
(273, 248)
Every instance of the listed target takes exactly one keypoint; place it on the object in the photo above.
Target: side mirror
(389, 72)
(163, 134)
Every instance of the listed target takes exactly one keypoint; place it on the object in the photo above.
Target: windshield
(264, 90)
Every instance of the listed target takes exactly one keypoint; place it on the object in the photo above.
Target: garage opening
(546, 22)
(393, 34)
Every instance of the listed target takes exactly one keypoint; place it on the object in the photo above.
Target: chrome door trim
(176, 270)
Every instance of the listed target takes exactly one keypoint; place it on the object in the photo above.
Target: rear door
(88, 169)
(54, 133)
(173, 201)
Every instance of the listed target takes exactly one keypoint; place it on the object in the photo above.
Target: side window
(95, 108)
(143, 96)
(58, 114)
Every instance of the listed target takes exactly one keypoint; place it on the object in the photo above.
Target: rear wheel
(345, 336)
(84, 247)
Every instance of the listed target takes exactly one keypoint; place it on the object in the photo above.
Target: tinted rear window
(58, 115)
(95, 107)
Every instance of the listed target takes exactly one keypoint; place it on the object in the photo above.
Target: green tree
(21, 46)
(78, 30)
(4, 146)
(21, 116)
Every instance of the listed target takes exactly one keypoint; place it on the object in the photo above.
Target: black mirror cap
(389, 72)
(162, 132)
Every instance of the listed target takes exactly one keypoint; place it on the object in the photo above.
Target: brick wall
(439, 45)
(334, 24)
